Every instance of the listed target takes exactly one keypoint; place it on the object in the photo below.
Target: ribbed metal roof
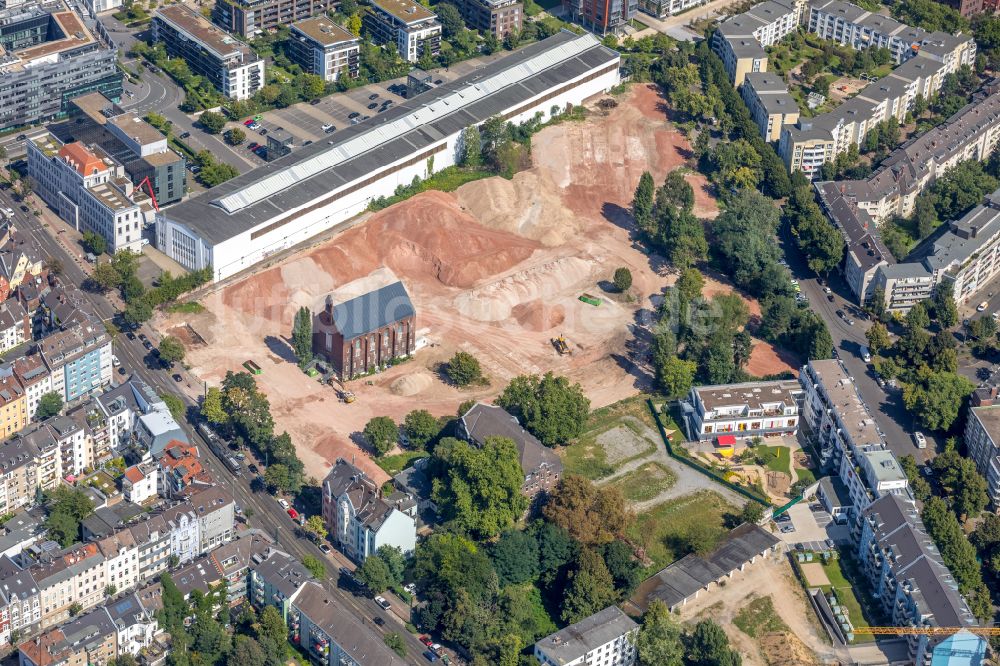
(379, 135)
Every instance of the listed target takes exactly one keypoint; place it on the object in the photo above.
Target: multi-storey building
(496, 16)
(601, 16)
(664, 8)
(20, 591)
(322, 47)
(47, 59)
(770, 105)
(275, 578)
(78, 359)
(358, 519)
(331, 637)
(233, 561)
(606, 638)
(130, 141)
(850, 441)
(229, 64)
(88, 639)
(87, 188)
(253, 17)
(982, 440)
(179, 467)
(910, 579)
(140, 482)
(542, 468)
(15, 325)
(76, 575)
(410, 26)
(13, 403)
(751, 409)
(740, 40)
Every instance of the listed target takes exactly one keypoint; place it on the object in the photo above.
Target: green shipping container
(592, 300)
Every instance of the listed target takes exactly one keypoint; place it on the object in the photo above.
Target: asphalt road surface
(267, 514)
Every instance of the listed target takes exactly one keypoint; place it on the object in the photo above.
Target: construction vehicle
(347, 396)
(342, 392)
(561, 346)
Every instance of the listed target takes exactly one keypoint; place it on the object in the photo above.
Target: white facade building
(606, 638)
(240, 223)
(751, 409)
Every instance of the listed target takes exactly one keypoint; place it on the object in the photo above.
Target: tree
(174, 404)
(94, 243)
(382, 433)
(642, 202)
(625, 570)
(958, 554)
(49, 405)
(937, 399)
(171, 350)
(235, 136)
(211, 407)
(395, 643)
(752, 512)
(471, 155)
(478, 489)
(945, 309)
(464, 369)
(591, 514)
(62, 528)
(963, 486)
(421, 428)
(515, 558)
(316, 527)
(708, 645)
(395, 560)
(450, 18)
(623, 279)
(659, 641)
(314, 566)
(110, 590)
(246, 652)
(549, 407)
(271, 626)
(590, 588)
(302, 336)
(354, 23)
(878, 337)
(212, 122)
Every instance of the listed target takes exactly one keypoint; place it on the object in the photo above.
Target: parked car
(830, 298)
(411, 588)
(248, 122)
(430, 656)
(919, 438)
(325, 548)
(177, 378)
(378, 621)
(186, 135)
(148, 345)
(262, 131)
(927, 470)
(353, 114)
(373, 96)
(253, 146)
(284, 503)
(426, 640)
(292, 513)
(841, 314)
(373, 105)
(383, 604)
(982, 306)
(315, 102)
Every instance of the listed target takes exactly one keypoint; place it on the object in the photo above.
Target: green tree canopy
(382, 433)
(49, 405)
(464, 369)
(549, 407)
(421, 428)
(171, 350)
(591, 514)
(659, 642)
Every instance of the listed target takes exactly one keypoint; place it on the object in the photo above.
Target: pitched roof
(482, 421)
(372, 311)
(80, 158)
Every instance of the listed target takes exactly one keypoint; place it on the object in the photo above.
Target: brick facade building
(365, 332)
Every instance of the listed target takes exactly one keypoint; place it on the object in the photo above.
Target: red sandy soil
(495, 269)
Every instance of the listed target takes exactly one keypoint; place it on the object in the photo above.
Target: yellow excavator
(561, 346)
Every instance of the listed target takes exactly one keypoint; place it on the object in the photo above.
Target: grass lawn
(446, 180)
(646, 482)
(190, 307)
(841, 586)
(783, 460)
(758, 618)
(395, 464)
(663, 531)
(587, 458)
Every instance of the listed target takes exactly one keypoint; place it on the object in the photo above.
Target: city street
(885, 404)
(267, 515)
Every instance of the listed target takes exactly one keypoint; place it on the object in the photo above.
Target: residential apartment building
(909, 578)
(770, 105)
(542, 468)
(23, 611)
(229, 64)
(359, 519)
(331, 637)
(740, 40)
(140, 482)
(601, 16)
(88, 639)
(747, 410)
(496, 16)
(87, 188)
(663, 8)
(233, 560)
(322, 47)
(982, 440)
(275, 579)
(848, 437)
(78, 359)
(15, 325)
(606, 638)
(76, 575)
(179, 467)
(49, 58)
(130, 141)
(249, 18)
(410, 26)
(13, 403)
(27, 463)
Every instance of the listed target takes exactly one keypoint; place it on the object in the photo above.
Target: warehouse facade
(245, 220)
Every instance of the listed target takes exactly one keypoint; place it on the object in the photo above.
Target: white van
(866, 355)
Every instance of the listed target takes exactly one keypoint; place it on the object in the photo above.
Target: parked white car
(920, 439)
(284, 504)
(383, 604)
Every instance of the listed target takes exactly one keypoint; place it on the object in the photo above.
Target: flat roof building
(770, 105)
(496, 16)
(249, 18)
(229, 64)
(982, 439)
(47, 57)
(239, 223)
(606, 638)
(746, 410)
(322, 47)
(409, 25)
(740, 40)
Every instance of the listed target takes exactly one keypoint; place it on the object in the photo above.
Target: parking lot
(812, 526)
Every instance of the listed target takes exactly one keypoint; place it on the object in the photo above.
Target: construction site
(499, 269)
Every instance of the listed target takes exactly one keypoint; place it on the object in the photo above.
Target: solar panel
(280, 180)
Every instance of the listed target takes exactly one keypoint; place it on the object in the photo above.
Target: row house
(22, 603)
(27, 463)
(35, 379)
(79, 359)
(360, 521)
(179, 467)
(15, 325)
(76, 575)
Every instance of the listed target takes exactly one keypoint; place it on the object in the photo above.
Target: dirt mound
(783, 648)
(538, 315)
(411, 384)
(529, 205)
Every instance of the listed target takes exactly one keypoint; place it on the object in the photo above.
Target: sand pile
(538, 315)
(495, 301)
(529, 205)
(411, 384)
